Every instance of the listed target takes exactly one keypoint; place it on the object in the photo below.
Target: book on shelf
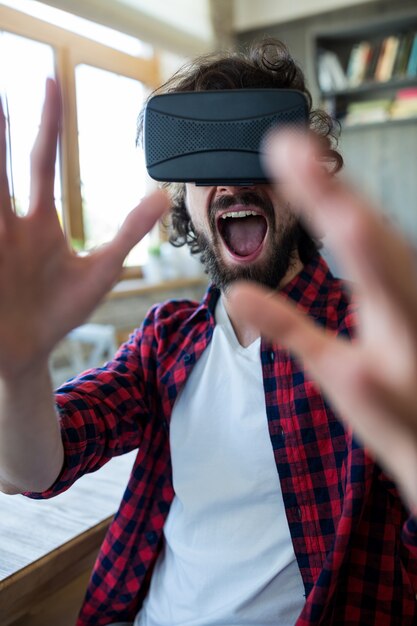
(403, 55)
(405, 104)
(330, 72)
(394, 56)
(412, 62)
(373, 60)
(368, 112)
(386, 60)
(357, 64)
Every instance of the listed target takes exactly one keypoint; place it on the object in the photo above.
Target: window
(20, 81)
(101, 175)
(107, 108)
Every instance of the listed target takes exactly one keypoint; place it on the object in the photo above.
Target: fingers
(391, 424)
(376, 256)
(43, 155)
(99, 271)
(140, 221)
(279, 321)
(5, 203)
(137, 224)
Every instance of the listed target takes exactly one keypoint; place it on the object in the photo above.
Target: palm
(45, 289)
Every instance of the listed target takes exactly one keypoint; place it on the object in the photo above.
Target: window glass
(80, 26)
(25, 65)
(113, 173)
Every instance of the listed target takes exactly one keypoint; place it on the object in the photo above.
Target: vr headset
(216, 137)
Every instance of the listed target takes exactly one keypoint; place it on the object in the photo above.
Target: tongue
(244, 235)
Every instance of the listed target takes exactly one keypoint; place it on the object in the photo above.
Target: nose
(231, 190)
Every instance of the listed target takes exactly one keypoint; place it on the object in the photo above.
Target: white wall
(190, 16)
(250, 14)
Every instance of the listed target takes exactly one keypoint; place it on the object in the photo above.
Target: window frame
(71, 50)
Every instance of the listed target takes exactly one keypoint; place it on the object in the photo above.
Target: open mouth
(243, 230)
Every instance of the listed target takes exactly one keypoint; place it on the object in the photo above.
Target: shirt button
(272, 356)
(282, 431)
(151, 537)
(299, 514)
(187, 358)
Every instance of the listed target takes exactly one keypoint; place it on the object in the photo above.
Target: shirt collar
(307, 289)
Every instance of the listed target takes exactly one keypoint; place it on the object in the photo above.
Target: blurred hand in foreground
(372, 382)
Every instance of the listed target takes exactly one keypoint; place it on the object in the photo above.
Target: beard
(278, 256)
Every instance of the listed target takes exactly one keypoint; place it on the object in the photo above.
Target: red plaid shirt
(355, 544)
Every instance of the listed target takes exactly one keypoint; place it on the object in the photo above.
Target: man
(250, 502)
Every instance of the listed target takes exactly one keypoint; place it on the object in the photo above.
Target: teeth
(238, 214)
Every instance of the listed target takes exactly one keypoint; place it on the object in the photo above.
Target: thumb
(139, 222)
(106, 262)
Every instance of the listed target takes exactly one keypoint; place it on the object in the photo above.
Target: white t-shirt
(228, 557)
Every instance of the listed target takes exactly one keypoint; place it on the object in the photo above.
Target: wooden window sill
(133, 287)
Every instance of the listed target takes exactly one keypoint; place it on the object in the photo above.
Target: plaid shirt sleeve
(102, 412)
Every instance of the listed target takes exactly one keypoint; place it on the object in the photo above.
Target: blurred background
(360, 59)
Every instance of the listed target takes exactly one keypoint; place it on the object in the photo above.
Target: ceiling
(190, 16)
(250, 14)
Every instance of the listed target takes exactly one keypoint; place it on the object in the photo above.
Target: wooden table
(48, 547)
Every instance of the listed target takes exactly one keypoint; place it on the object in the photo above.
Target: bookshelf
(367, 72)
(379, 149)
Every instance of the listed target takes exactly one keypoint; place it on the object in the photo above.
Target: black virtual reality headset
(215, 137)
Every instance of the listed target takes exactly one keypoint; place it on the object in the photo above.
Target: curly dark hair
(266, 64)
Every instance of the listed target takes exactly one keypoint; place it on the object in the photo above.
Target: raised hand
(46, 289)
(372, 382)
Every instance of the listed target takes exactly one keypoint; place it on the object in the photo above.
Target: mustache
(245, 198)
